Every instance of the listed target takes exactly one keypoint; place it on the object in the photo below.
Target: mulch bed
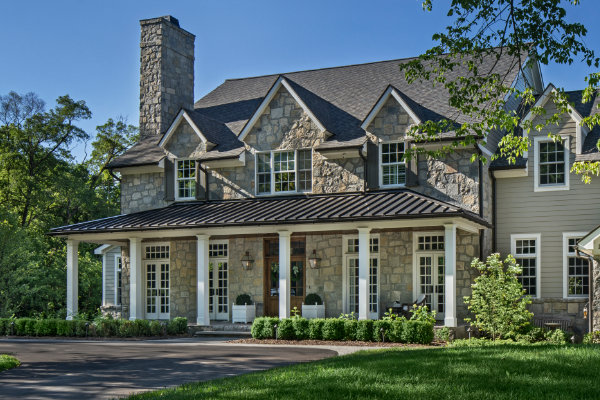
(332, 343)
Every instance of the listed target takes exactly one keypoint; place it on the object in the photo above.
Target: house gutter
(591, 260)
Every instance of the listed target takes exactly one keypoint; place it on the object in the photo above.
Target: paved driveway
(60, 369)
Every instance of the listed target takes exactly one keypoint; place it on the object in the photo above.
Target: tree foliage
(526, 32)
(42, 186)
(498, 299)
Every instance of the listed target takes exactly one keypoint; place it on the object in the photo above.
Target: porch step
(238, 334)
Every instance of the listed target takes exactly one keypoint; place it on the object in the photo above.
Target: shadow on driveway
(100, 370)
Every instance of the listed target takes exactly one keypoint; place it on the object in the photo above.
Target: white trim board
(180, 117)
(390, 91)
(565, 243)
(536, 167)
(281, 81)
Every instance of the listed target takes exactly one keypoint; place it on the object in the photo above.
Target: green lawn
(499, 372)
(8, 362)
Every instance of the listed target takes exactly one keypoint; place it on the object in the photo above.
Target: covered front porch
(362, 265)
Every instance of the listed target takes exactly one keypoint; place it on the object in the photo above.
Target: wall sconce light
(247, 261)
(313, 260)
(585, 311)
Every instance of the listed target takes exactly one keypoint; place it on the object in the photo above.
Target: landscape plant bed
(332, 343)
(8, 362)
(96, 338)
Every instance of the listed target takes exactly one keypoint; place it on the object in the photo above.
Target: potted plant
(243, 310)
(313, 306)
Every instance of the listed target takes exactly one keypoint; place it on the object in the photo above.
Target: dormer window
(551, 164)
(283, 171)
(185, 180)
(392, 165)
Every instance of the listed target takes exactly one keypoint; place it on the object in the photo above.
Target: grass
(8, 362)
(498, 372)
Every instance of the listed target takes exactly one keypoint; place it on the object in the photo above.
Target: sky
(90, 49)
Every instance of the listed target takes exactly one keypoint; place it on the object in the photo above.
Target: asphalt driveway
(77, 369)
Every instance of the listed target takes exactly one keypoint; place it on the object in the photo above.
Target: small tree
(498, 299)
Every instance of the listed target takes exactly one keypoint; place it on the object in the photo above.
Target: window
(351, 277)
(525, 248)
(393, 167)
(157, 270)
(431, 242)
(576, 269)
(284, 171)
(429, 275)
(185, 179)
(118, 280)
(551, 164)
(218, 299)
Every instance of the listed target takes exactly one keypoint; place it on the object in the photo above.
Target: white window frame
(566, 141)
(538, 256)
(214, 260)
(345, 286)
(117, 258)
(399, 185)
(145, 277)
(417, 253)
(177, 179)
(566, 255)
(296, 172)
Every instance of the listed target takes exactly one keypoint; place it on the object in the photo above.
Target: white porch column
(202, 289)
(450, 278)
(72, 278)
(136, 283)
(364, 257)
(284, 274)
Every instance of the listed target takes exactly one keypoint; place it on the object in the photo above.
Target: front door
(157, 289)
(431, 281)
(271, 273)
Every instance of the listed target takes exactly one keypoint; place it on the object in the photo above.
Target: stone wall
(391, 123)
(184, 142)
(395, 268)
(326, 281)
(562, 309)
(246, 282)
(166, 73)
(183, 279)
(467, 248)
(141, 192)
(125, 279)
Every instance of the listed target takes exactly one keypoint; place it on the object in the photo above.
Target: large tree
(527, 31)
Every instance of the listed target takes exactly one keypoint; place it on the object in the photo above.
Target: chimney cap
(167, 18)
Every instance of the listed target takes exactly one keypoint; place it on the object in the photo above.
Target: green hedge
(101, 327)
(400, 330)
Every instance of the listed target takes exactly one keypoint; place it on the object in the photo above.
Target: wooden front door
(271, 273)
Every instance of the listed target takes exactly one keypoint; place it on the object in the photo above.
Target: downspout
(591, 261)
(365, 166)
(480, 196)
(494, 246)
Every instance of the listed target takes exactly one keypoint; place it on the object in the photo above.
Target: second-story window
(284, 171)
(185, 179)
(551, 170)
(393, 166)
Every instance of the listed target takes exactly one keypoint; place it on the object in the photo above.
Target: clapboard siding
(109, 275)
(550, 213)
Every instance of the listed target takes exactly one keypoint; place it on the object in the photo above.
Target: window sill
(550, 188)
(400, 185)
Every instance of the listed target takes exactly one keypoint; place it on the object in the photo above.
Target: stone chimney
(166, 73)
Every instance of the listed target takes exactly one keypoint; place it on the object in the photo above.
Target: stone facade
(467, 248)
(184, 143)
(246, 282)
(326, 281)
(183, 279)
(142, 191)
(392, 122)
(166, 73)
(561, 309)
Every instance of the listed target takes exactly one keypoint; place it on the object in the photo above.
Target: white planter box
(314, 311)
(245, 314)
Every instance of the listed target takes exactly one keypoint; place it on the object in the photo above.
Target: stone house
(303, 176)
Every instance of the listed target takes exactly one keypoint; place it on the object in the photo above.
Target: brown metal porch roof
(298, 209)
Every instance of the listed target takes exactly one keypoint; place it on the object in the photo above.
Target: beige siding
(550, 213)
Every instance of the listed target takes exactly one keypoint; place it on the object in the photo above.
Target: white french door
(431, 281)
(352, 286)
(157, 289)
(218, 301)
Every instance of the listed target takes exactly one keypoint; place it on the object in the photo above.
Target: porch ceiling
(347, 207)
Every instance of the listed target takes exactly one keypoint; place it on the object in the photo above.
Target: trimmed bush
(285, 329)
(557, 336)
(381, 329)
(127, 329)
(23, 326)
(156, 328)
(142, 327)
(65, 328)
(315, 328)
(243, 299)
(364, 330)
(333, 329)
(301, 328)
(107, 326)
(312, 299)
(396, 332)
(350, 328)
(269, 329)
(5, 326)
(177, 326)
(417, 332)
(45, 327)
(81, 330)
(257, 327)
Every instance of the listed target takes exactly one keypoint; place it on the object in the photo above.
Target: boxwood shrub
(381, 330)
(301, 328)
(333, 329)
(5, 326)
(45, 327)
(177, 326)
(156, 328)
(315, 328)
(350, 328)
(285, 329)
(257, 328)
(364, 330)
